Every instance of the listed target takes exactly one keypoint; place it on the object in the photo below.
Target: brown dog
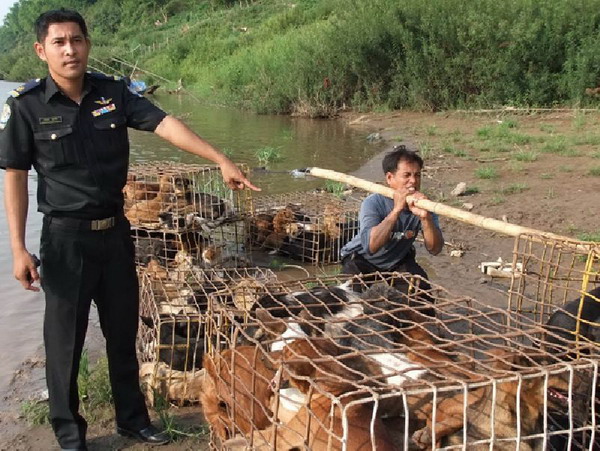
(327, 379)
(236, 396)
(515, 409)
(171, 194)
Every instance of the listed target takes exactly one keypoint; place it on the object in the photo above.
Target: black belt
(84, 224)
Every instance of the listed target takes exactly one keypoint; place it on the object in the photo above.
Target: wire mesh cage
(184, 215)
(171, 334)
(311, 227)
(225, 245)
(388, 361)
(558, 281)
(180, 197)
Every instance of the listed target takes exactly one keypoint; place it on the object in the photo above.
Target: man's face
(65, 49)
(408, 176)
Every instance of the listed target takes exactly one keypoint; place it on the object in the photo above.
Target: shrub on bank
(318, 56)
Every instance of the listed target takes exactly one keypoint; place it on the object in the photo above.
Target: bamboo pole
(437, 207)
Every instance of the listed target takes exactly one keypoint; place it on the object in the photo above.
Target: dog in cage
(515, 408)
(180, 342)
(171, 189)
(329, 385)
(237, 393)
(286, 316)
(159, 379)
(580, 316)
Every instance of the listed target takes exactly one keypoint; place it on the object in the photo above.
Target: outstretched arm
(16, 202)
(180, 135)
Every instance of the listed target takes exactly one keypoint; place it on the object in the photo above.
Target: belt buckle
(103, 224)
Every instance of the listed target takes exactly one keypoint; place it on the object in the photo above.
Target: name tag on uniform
(50, 120)
(104, 110)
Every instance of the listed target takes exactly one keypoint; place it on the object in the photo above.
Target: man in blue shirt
(389, 227)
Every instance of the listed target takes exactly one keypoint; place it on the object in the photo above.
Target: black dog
(562, 325)
(180, 344)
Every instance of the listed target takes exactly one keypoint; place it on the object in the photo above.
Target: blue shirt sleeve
(371, 214)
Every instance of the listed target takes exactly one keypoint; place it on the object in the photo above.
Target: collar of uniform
(52, 88)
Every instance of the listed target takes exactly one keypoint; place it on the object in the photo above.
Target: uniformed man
(72, 128)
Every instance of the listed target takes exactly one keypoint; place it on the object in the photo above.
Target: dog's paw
(422, 438)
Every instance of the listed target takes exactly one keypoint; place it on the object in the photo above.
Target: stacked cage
(389, 362)
(189, 237)
(183, 215)
(311, 227)
(173, 311)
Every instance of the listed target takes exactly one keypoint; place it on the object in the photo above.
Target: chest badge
(50, 120)
(105, 109)
(103, 101)
(5, 116)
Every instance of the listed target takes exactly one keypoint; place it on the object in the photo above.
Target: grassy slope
(314, 57)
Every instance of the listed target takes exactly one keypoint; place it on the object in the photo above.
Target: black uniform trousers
(78, 265)
(356, 264)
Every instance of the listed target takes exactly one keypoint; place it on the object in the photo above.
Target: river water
(301, 143)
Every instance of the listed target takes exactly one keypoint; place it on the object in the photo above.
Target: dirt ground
(532, 168)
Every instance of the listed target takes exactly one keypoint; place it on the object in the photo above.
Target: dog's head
(319, 362)
(238, 393)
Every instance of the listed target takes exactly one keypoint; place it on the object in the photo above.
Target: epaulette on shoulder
(19, 91)
(101, 76)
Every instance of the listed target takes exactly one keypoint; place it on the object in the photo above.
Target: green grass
(556, 145)
(547, 128)
(95, 394)
(427, 151)
(486, 173)
(176, 429)
(266, 155)
(276, 264)
(497, 199)
(525, 156)
(431, 130)
(591, 236)
(516, 166)
(595, 171)
(585, 140)
(547, 176)
(35, 413)
(579, 122)
(509, 123)
(228, 152)
(454, 151)
(515, 188)
(472, 190)
(335, 188)
(565, 168)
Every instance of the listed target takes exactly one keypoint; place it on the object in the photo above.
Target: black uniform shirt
(80, 152)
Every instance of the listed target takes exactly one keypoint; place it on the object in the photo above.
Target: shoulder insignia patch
(19, 91)
(5, 116)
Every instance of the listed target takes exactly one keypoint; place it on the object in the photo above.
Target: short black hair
(62, 15)
(400, 153)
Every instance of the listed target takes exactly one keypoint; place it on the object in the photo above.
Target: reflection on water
(301, 143)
